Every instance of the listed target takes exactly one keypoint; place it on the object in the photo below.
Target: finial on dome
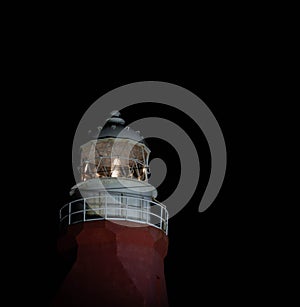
(115, 113)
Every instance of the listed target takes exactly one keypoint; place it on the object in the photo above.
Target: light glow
(116, 168)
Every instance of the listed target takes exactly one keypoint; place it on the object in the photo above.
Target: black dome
(115, 127)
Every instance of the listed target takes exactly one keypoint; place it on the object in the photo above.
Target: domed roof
(115, 127)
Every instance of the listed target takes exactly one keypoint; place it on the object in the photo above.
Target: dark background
(240, 250)
(215, 255)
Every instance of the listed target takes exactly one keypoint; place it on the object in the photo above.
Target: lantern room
(118, 151)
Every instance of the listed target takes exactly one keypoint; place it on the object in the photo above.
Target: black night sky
(211, 255)
(240, 251)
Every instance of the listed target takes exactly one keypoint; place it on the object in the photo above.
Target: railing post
(84, 212)
(69, 214)
(161, 217)
(167, 222)
(105, 206)
(126, 208)
(147, 212)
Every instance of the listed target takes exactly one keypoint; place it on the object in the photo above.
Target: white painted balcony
(115, 207)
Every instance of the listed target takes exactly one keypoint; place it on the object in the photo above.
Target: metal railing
(115, 207)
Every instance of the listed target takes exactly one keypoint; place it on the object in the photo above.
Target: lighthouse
(114, 225)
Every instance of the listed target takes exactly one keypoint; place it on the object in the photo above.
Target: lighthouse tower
(114, 225)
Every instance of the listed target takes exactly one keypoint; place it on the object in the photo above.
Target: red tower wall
(116, 265)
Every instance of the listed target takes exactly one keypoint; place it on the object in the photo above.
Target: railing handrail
(162, 216)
